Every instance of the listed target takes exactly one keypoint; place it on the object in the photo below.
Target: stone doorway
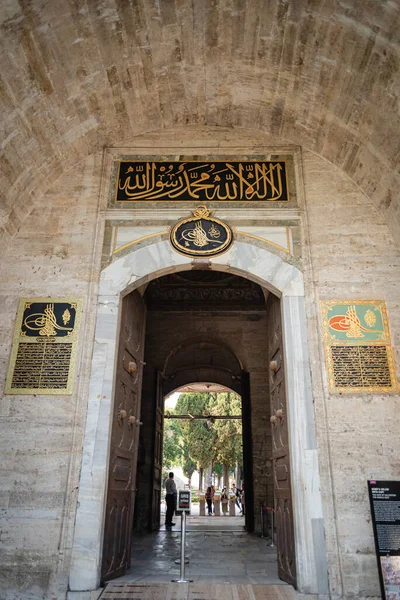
(135, 270)
(200, 326)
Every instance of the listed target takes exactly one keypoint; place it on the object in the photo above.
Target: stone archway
(285, 281)
(179, 371)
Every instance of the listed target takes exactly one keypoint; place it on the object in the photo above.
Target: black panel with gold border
(43, 356)
(202, 181)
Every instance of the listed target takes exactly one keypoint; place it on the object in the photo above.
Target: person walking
(210, 498)
(237, 491)
(224, 501)
(242, 500)
(170, 499)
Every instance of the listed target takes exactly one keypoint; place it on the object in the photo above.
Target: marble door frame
(120, 278)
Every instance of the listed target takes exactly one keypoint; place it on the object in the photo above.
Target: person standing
(210, 498)
(224, 501)
(170, 498)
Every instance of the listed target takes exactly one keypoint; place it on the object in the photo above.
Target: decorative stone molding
(283, 279)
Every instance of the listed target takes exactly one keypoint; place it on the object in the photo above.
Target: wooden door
(280, 447)
(158, 454)
(124, 439)
(247, 453)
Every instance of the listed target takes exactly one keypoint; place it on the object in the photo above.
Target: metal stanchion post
(272, 528)
(262, 520)
(182, 559)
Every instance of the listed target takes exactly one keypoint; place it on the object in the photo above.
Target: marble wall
(348, 252)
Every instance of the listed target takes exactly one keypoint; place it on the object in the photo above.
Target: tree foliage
(173, 438)
(228, 434)
(188, 465)
(196, 435)
(209, 441)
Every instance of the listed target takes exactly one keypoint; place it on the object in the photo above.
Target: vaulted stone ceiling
(77, 75)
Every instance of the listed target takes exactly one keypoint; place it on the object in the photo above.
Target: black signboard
(384, 497)
(203, 181)
(184, 500)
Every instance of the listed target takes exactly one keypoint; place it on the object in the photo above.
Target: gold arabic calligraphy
(350, 323)
(198, 235)
(207, 181)
(46, 323)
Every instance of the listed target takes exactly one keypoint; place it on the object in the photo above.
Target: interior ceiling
(78, 75)
(203, 388)
(204, 290)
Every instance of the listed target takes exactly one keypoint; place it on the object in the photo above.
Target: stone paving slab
(191, 591)
(214, 557)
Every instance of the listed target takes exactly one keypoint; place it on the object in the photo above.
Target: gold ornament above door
(201, 235)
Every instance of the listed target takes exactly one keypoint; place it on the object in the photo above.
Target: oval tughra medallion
(201, 235)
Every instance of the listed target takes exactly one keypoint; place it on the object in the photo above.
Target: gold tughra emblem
(46, 323)
(201, 234)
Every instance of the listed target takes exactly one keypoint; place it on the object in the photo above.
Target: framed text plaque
(43, 354)
(384, 497)
(202, 181)
(358, 350)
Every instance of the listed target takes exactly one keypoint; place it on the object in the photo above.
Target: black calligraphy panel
(48, 319)
(42, 366)
(203, 181)
(201, 237)
(361, 366)
(45, 345)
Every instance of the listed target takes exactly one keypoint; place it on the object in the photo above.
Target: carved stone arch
(201, 359)
(285, 281)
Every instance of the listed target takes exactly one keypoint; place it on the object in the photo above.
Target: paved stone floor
(196, 591)
(218, 548)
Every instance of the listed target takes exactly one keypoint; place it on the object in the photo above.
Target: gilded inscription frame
(164, 163)
(49, 327)
(353, 328)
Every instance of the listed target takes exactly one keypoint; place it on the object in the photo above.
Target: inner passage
(203, 448)
(205, 413)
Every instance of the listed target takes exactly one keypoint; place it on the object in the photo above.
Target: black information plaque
(384, 497)
(44, 351)
(361, 366)
(203, 181)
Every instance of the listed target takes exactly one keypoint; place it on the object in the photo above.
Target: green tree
(188, 466)
(218, 471)
(209, 441)
(173, 442)
(198, 437)
(228, 433)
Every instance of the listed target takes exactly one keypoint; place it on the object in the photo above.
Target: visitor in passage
(237, 491)
(210, 498)
(170, 499)
(224, 501)
(242, 499)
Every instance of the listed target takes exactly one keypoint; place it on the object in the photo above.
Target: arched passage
(174, 358)
(194, 361)
(286, 281)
